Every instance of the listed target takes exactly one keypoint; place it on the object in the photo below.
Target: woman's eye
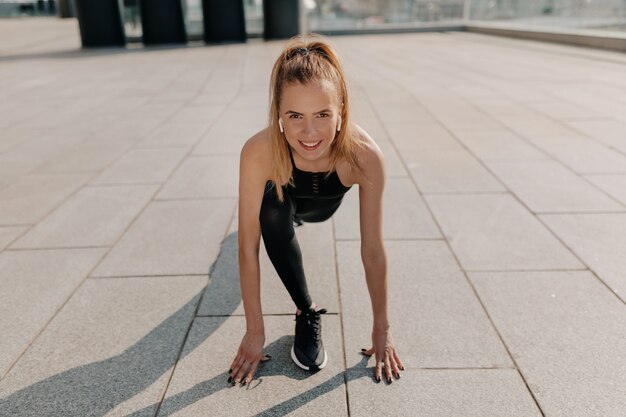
(324, 114)
(294, 116)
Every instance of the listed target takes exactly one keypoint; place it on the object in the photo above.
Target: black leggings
(280, 240)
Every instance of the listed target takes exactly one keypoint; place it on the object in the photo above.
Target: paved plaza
(504, 225)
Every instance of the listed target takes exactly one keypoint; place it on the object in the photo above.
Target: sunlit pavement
(505, 230)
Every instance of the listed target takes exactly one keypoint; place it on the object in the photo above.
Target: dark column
(223, 21)
(100, 23)
(66, 8)
(162, 22)
(281, 18)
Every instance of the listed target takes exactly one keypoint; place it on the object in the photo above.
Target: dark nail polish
(378, 379)
(398, 375)
(243, 383)
(230, 370)
(269, 356)
(363, 349)
(402, 368)
(230, 379)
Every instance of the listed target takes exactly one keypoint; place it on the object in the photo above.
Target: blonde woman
(298, 169)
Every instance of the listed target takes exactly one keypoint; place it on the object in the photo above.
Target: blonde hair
(307, 58)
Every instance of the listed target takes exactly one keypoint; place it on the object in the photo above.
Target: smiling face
(310, 114)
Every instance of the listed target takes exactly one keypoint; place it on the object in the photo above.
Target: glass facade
(579, 14)
(329, 15)
(21, 8)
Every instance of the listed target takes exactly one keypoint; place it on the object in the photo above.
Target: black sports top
(316, 198)
(314, 184)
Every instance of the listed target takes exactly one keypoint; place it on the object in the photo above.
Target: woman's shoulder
(259, 143)
(369, 155)
(257, 151)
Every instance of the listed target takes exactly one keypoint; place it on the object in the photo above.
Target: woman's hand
(386, 355)
(249, 355)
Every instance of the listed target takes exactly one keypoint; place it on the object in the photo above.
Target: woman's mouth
(310, 146)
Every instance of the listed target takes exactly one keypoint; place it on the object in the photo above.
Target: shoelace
(313, 318)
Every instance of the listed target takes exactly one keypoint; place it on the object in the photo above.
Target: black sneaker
(308, 350)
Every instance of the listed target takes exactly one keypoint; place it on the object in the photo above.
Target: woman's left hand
(386, 355)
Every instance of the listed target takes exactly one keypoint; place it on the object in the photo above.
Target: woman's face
(310, 114)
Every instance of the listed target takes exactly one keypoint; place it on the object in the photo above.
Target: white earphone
(282, 128)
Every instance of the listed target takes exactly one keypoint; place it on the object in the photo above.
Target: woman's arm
(371, 189)
(251, 187)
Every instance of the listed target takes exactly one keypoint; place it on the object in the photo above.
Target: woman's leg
(282, 247)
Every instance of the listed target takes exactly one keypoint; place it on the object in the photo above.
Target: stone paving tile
(161, 111)
(454, 112)
(364, 115)
(204, 177)
(561, 110)
(141, 166)
(546, 186)
(442, 393)
(170, 238)
(393, 164)
(436, 320)
(404, 111)
(174, 135)
(566, 332)
(197, 114)
(609, 132)
(23, 159)
(109, 351)
(405, 215)
(86, 157)
(615, 185)
(231, 130)
(15, 137)
(497, 145)
(449, 171)
(495, 232)
(126, 129)
(33, 285)
(10, 233)
(33, 196)
(598, 239)
(583, 155)
(199, 384)
(421, 137)
(94, 216)
(223, 296)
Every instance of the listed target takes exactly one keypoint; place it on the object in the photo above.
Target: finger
(266, 358)
(235, 369)
(367, 352)
(388, 368)
(378, 371)
(251, 373)
(398, 361)
(242, 371)
(234, 362)
(394, 366)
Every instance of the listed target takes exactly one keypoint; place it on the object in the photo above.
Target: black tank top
(314, 184)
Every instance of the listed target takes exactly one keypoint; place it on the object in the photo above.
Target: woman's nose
(309, 127)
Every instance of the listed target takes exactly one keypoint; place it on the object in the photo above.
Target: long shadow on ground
(96, 388)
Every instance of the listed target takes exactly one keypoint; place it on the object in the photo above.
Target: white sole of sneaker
(306, 368)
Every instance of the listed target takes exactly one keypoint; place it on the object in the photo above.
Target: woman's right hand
(249, 355)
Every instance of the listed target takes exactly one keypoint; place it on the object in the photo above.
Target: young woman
(298, 169)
